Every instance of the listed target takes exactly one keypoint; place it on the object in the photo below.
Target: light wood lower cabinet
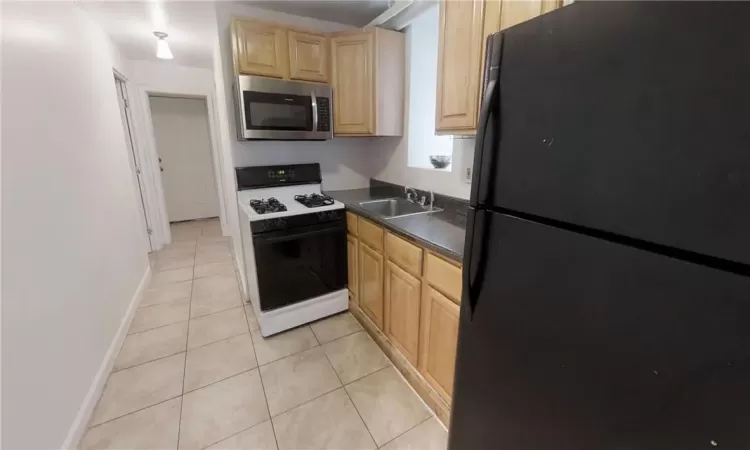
(439, 329)
(407, 298)
(371, 283)
(352, 250)
(403, 294)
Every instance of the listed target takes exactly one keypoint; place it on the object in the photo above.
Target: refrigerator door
(629, 118)
(578, 343)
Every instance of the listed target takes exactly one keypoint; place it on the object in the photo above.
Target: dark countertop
(442, 232)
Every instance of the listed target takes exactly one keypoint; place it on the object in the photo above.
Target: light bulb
(162, 47)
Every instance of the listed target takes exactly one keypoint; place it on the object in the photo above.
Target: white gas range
(294, 245)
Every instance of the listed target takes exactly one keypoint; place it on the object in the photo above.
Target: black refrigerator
(606, 299)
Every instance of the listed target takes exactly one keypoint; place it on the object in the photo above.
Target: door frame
(215, 161)
(154, 199)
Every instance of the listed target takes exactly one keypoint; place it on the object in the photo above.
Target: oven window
(264, 111)
(298, 265)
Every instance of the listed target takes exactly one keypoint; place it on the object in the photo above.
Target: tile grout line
(415, 426)
(262, 385)
(187, 338)
(147, 362)
(156, 328)
(177, 323)
(133, 412)
(343, 386)
(235, 434)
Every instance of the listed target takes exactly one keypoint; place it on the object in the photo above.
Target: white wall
(423, 41)
(391, 155)
(167, 78)
(71, 248)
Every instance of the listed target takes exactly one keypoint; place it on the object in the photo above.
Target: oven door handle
(314, 111)
(289, 235)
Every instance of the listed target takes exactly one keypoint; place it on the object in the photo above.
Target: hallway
(194, 371)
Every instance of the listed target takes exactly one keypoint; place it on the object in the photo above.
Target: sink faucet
(423, 200)
(411, 196)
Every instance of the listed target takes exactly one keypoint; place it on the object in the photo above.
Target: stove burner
(267, 206)
(314, 200)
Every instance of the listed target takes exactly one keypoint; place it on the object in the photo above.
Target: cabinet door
(353, 92)
(439, 330)
(261, 49)
(459, 64)
(308, 56)
(351, 258)
(371, 283)
(402, 304)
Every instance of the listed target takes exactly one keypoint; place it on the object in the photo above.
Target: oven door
(300, 264)
(277, 109)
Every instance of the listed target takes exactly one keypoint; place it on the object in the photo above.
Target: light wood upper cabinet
(353, 111)
(461, 29)
(352, 247)
(464, 27)
(439, 339)
(260, 48)
(403, 293)
(371, 283)
(308, 56)
(368, 82)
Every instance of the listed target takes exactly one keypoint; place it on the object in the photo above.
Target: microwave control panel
(324, 114)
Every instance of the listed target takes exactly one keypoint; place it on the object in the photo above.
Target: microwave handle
(314, 111)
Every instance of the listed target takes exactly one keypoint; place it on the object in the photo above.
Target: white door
(122, 99)
(183, 143)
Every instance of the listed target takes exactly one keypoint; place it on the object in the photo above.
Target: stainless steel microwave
(273, 109)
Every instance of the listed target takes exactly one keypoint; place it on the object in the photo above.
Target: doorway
(181, 132)
(135, 166)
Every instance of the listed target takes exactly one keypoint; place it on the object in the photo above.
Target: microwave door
(276, 115)
(282, 110)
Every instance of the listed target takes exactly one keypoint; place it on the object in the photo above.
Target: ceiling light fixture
(162, 47)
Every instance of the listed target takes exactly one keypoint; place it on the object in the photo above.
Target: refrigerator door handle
(474, 266)
(483, 151)
(483, 182)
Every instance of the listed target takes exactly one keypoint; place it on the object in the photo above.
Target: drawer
(407, 255)
(444, 276)
(370, 234)
(351, 223)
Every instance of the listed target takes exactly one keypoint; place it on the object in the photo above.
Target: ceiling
(191, 26)
(349, 12)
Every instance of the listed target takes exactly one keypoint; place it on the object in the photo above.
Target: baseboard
(240, 269)
(97, 386)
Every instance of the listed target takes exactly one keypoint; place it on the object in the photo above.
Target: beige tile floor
(194, 371)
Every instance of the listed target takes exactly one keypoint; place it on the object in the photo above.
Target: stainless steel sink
(395, 207)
